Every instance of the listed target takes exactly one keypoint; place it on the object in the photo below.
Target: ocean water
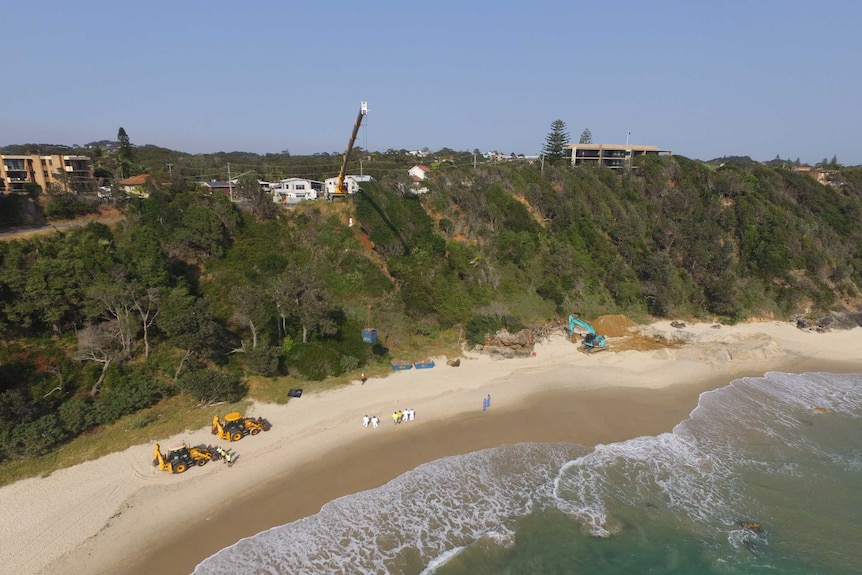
(783, 451)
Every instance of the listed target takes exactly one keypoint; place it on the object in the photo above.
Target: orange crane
(340, 188)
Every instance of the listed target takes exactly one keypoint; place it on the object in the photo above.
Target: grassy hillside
(194, 299)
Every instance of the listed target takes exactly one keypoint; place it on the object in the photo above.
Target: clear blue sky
(704, 79)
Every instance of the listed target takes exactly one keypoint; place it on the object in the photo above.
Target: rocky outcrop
(841, 320)
(505, 344)
(832, 320)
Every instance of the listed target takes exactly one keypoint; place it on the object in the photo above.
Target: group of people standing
(397, 417)
(225, 455)
(372, 421)
(405, 415)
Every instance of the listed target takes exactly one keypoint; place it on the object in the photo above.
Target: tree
(114, 298)
(586, 137)
(125, 153)
(834, 162)
(300, 294)
(98, 343)
(556, 141)
(147, 303)
(251, 310)
(189, 323)
(33, 190)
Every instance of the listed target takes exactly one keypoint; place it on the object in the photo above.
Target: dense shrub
(314, 361)
(263, 360)
(126, 396)
(212, 385)
(34, 438)
(18, 211)
(482, 326)
(67, 206)
(77, 414)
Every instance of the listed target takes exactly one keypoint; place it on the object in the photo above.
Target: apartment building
(614, 156)
(54, 173)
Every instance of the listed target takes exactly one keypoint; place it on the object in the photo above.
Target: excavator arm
(159, 458)
(217, 428)
(339, 189)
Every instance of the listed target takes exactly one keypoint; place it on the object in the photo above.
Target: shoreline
(633, 412)
(120, 515)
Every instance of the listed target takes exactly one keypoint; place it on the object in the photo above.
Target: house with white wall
(135, 186)
(291, 191)
(419, 172)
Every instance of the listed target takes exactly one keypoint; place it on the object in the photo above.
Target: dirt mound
(613, 325)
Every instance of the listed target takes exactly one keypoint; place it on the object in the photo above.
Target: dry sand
(119, 514)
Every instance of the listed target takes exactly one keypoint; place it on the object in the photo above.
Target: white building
(419, 172)
(294, 190)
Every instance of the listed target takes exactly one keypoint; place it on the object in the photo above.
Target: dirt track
(107, 217)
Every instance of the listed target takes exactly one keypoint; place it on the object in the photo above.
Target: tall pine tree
(556, 142)
(586, 137)
(125, 153)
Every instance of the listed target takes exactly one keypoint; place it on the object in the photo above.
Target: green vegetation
(555, 142)
(194, 299)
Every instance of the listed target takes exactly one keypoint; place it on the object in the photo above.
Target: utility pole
(170, 170)
(229, 182)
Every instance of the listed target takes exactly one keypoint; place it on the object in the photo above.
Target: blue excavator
(592, 340)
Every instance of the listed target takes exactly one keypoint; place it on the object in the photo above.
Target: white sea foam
(698, 475)
(757, 424)
(438, 562)
(419, 517)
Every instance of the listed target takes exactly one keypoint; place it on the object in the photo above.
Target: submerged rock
(751, 526)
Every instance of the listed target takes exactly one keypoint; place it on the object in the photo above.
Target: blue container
(369, 335)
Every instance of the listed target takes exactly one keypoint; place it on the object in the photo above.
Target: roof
(138, 180)
(214, 184)
(633, 147)
(422, 167)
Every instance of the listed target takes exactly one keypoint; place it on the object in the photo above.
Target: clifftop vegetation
(192, 294)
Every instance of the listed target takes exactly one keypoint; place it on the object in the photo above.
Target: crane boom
(339, 189)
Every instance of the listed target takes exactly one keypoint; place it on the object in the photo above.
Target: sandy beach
(119, 514)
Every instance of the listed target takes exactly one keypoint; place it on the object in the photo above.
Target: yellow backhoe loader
(180, 457)
(235, 426)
